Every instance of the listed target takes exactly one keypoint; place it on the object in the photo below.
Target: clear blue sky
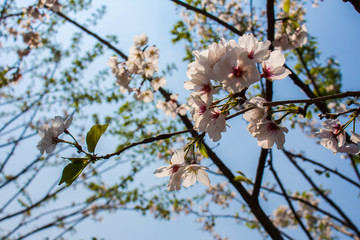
(335, 24)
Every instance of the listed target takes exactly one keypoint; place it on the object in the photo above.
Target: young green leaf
(71, 172)
(287, 6)
(203, 150)
(93, 136)
(243, 179)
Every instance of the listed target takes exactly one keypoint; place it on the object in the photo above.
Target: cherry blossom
(175, 170)
(201, 85)
(32, 39)
(146, 96)
(157, 83)
(152, 53)
(333, 137)
(48, 133)
(355, 138)
(206, 59)
(273, 68)
(257, 51)
(236, 71)
(141, 40)
(193, 173)
(267, 133)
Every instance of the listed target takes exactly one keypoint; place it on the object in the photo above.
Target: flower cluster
(171, 107)
(180, 172)
(233, 67)
(291, 32)
(142, 61)
(49, 134)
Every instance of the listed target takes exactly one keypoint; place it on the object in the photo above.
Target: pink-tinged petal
(279, 73)
(175, 180)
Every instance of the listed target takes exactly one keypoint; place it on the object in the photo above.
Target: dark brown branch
(316, 100)
(355, 3)
(259, 173)
(208, 15)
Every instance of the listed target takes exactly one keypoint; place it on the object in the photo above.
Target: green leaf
(356, 158)
(243, 179)
(287, 6)
(93, 136)
(71, 172)
(203, 150)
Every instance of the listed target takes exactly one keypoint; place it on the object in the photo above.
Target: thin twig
(288, 200)
(324, 167)
(315, 100)
(208, 15)
(321, 193)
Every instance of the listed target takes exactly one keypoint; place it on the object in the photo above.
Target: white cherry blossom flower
(183, 109)
(206, 59)
(193, 173)
(49, 134)
(236, 71)
(148, 69)
(141, 40)
(32, 39)
(216, 125)
(146, 96)
(157, 83)
(267, 133)
(175, 170)
(200, 113)
(152, 53)
(201, 85)
(206, 119)
(273, 68)
(333, 137)
(168, 107)
(257, 51)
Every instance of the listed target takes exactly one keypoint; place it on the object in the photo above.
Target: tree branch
(259, 173)
(321, 193)
(324, 167)
(355, 3)
(208, 15)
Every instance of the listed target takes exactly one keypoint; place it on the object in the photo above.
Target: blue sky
(334, 24)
